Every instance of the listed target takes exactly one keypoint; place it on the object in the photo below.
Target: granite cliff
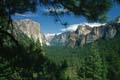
(29, 28)
(86, 34)
(60, 39)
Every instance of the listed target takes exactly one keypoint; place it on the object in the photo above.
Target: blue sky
(48, 24)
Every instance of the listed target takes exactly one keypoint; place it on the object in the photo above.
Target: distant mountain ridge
(59, 40)
(85, 34)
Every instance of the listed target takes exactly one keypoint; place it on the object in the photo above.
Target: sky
(48, 24)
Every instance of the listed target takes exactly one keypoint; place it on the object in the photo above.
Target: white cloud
(58, 33)
(23, 15)
(94, 24)
(49, 34)
(70, 28)
(74, 26)
(57, 10)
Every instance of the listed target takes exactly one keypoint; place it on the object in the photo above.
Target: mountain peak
(30, 28)
(83, 30)
(81, 34)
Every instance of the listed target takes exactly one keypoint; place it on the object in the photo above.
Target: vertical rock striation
(29, 28)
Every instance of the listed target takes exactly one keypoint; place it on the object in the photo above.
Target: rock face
(60, 40)
(86, 34)
(49, 37)
(29, 28)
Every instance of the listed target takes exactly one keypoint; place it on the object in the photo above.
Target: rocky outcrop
(86, 34)
(59, 39)
(29, 28)
(49, 36)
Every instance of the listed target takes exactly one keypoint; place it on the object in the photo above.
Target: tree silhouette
(92, 10)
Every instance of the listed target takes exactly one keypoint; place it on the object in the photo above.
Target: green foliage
(92, 67)
(111, 55)
(92, 10)
(101, 59)
(27, 62)
(5, 70)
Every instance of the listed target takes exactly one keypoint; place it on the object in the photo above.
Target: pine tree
(82, 71)
(92, 67)
(96, 64)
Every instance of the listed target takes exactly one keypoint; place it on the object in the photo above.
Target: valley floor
(109, 51)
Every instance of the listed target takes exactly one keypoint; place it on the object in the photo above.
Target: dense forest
(94, 61)
(27, 62)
